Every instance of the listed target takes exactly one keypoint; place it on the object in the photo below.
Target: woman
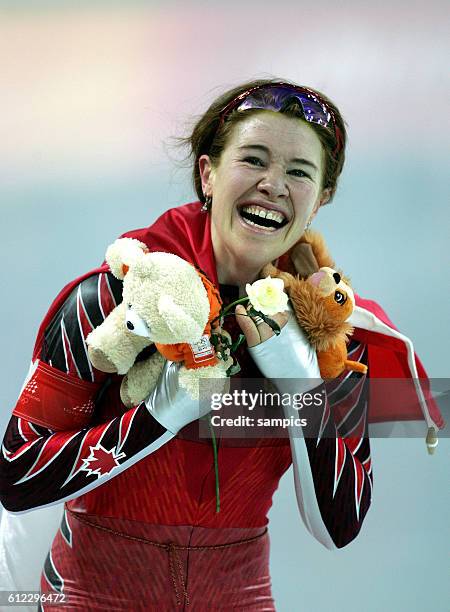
(140, 528)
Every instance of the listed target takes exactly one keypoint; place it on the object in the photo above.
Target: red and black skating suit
(140, 529)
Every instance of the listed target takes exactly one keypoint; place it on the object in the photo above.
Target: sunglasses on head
(278, 96)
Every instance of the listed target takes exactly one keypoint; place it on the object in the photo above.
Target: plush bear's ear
(180, 323)
(122, 253)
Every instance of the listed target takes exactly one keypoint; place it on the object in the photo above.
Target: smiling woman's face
(266, 187)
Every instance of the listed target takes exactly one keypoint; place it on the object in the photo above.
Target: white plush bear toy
(166, 301)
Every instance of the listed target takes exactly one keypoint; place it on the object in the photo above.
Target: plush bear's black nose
(337, 278)
(130, 325)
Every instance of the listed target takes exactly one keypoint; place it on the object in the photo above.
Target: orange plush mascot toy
(322, 303)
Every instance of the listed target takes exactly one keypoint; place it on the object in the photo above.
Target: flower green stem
(226, 310)
(216, 465)
(235, 303)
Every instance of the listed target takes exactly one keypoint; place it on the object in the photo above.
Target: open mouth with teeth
(262, 217)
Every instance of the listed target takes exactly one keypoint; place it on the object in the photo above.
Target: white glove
(288, 359)
(171, 405)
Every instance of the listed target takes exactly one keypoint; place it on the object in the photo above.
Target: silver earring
(207, 205)
(307, 226)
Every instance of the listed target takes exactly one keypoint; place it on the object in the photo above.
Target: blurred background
(93, 95)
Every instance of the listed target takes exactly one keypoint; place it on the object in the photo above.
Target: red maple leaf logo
(101, 460)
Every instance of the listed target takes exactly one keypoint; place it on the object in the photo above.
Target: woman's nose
(273, 184)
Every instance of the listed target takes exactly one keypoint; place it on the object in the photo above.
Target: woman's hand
(288, 357)
(170, 404)
(255, 334)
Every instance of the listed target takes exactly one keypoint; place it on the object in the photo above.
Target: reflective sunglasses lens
(314, 111)
(275, 98)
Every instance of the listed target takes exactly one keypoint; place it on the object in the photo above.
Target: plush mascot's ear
(319, 249)
(180, 323)
(122, 254)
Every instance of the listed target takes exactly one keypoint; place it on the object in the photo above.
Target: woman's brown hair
(210, 136)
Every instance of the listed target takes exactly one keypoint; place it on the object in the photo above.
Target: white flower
(267, 295)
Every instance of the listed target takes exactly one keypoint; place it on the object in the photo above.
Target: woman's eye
(299, 173)
(255, 161)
